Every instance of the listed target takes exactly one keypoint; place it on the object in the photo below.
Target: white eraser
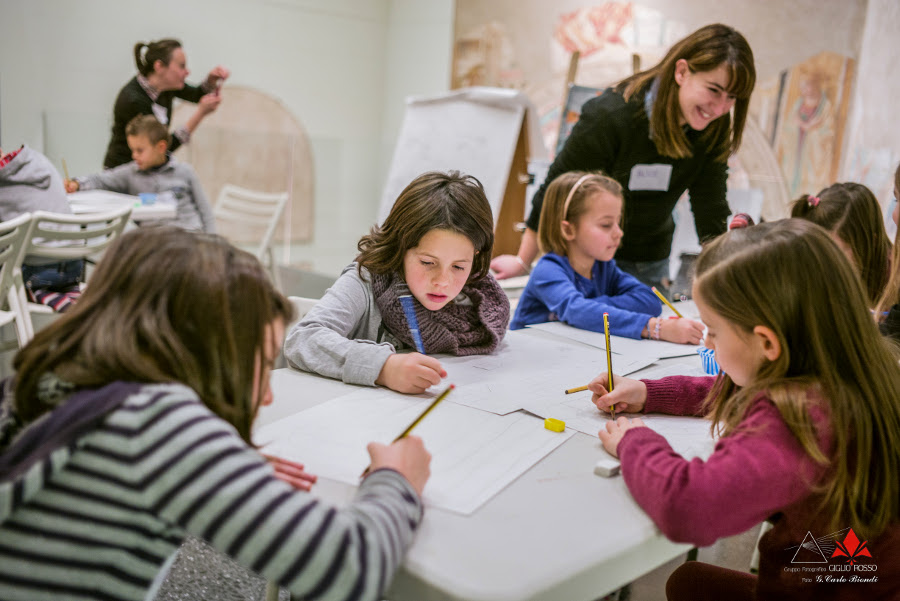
(607, 467)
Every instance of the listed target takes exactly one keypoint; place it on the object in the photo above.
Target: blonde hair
(852, 212)
(791, 277)
(891, 294)
(706, 49)
(575, 187)
(164, 305)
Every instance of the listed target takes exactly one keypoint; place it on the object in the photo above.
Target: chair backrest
(302, 306)
(253, 209)
(12, 239)
(54, 236)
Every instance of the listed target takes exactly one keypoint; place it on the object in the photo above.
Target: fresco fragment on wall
(804, 112)
(607, 37)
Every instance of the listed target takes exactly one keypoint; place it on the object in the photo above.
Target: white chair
(12, 240)
(249, 208)
(302, 306)
(54, 237)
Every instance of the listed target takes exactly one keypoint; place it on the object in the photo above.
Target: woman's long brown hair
(706, 49)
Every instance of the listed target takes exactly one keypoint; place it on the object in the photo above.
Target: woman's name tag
(650, 177)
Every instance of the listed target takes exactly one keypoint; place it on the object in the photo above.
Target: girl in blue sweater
(577, 280)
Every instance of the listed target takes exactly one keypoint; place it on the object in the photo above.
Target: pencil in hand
(665, 300)
(609, 369)
(416, 421)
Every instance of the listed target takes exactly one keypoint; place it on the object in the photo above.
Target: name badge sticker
(650, 177)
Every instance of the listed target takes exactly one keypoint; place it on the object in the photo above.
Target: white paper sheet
(633, 349)
(474, 454)
(688, 436)
(526, 365)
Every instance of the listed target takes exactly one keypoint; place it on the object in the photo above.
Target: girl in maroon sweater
(808, 415)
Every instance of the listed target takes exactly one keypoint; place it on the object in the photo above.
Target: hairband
(572, 193)
(813, 201)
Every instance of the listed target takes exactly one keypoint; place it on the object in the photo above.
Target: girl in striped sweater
(127, 427)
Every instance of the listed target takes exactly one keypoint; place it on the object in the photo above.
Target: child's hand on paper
(291, 472)
(71, 186)
(407, 455)
(410, 373)
(628, 395)
(681, 330)
(615, 430)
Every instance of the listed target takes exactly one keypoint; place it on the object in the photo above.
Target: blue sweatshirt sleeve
(553, 282)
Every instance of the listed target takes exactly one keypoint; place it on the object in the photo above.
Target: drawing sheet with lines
(475, 454)
(628, 347)
(526, 366)
(690, 437)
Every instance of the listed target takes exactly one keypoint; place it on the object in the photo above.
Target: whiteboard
(473, 131)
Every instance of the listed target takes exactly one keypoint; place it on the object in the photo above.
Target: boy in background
(154, 170)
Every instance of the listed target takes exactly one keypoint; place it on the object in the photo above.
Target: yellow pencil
(609, 369)
(65, 170)
(579, 389)
(416, 421)
(665, 300)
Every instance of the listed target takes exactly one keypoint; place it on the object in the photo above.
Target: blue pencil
(409, 310)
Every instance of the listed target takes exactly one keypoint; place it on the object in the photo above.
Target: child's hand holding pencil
(629, 395)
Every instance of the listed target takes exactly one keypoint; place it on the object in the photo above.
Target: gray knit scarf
(459, 329)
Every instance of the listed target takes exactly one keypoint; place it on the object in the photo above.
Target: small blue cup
(147, 198)
(708, 357)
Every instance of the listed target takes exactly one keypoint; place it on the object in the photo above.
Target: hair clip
(741, 220)
(813, 201)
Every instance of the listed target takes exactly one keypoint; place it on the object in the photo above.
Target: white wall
(872, 147)
(342, 66)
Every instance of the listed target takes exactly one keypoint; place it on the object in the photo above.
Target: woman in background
(162, 69)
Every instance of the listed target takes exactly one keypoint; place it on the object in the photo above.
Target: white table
(557, 532)
(93, 201)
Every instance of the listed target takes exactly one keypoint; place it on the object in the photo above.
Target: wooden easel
(509, 227)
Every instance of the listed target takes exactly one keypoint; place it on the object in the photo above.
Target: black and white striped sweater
(97, 517)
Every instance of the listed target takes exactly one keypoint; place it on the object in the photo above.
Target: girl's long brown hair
(791, 277)
(704, 50)
(891, 295)
(853, 214)
(433, 201)
(164, 305)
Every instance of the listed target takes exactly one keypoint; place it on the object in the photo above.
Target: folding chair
(54, 237)
(12, 240)
(244, 208)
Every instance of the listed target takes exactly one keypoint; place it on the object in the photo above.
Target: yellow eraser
(557, 425)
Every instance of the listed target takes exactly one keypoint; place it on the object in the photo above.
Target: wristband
(655, 334)
(523, 264)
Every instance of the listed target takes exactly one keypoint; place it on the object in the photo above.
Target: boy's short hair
(147, 125)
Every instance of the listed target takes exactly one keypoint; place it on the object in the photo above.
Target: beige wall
(872, 148)
(781, 32)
